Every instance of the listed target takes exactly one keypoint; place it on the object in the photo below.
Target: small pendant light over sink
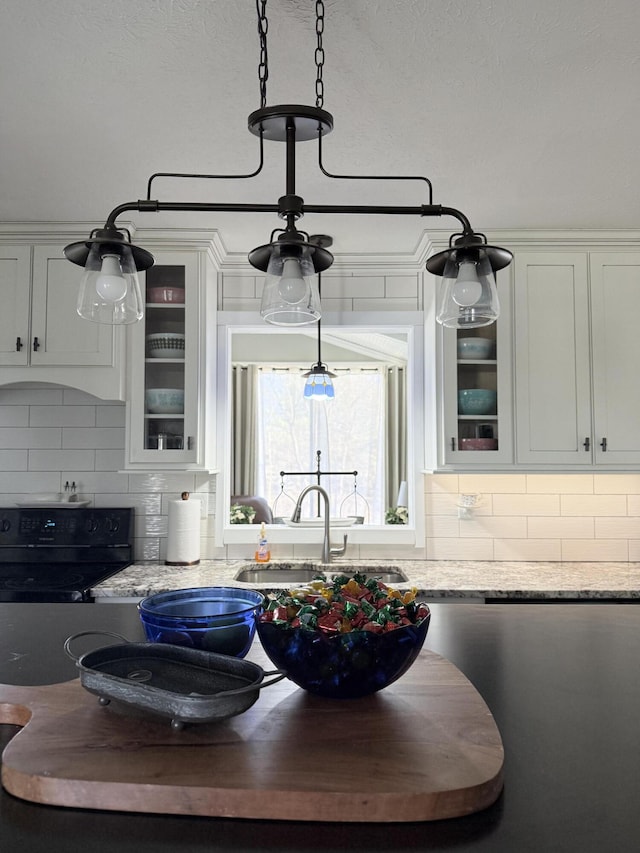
(319, 386)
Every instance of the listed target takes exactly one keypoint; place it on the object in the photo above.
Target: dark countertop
(562, 682)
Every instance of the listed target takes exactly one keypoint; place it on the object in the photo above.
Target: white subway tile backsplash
(492, 483)
(595, 550)
(98, 437)
(150, 504)
(368, 303)
(617, 528)
(436, 483)
(16, 485)
(459, 549)
(240, 287)
(612, 484)
(98, 482)
(109, 459)
(561, 528)
(527, 549)
(61, 460)
(13, 416)
(49, 435)
(14, 460)
(442, 526)
(80, 416)
(110, 416)
(561, 484)
(33, 437)
(401, 286)
(496, 527)
(594, 505)
(526, 504)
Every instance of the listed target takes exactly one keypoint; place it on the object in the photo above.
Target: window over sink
(372, 427)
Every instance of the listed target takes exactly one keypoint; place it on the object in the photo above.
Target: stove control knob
(5, 525)
(112, 525)
(91, 524)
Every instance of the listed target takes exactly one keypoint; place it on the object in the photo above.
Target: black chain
(263, 65)
(319, 53)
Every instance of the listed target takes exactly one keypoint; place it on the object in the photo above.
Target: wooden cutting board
(425, 748)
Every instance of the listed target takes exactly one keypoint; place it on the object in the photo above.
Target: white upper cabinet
(575, 331)
(615, 309)
(476, 390)
(15, 294)
(42, 338)
(172, 366)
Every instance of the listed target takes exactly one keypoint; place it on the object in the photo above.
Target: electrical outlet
(469, 501)
(466, 505)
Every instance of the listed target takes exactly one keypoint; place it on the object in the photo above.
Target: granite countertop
(433, 578)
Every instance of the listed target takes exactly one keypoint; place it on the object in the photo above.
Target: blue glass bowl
(218, 619)
(342, 666)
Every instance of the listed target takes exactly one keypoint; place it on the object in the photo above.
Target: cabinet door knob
(603, 445)
(18, 344)
(36, 344)
(587, 443)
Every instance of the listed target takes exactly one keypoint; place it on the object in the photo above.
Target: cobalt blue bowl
(218, 619)
(342, 666)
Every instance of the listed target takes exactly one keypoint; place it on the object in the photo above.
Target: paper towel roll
(183, 533)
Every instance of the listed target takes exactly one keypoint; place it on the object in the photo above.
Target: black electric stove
(51, 555)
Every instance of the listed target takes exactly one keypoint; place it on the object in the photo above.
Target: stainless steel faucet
(327, 551)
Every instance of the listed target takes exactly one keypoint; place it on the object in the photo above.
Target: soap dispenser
(263, 554)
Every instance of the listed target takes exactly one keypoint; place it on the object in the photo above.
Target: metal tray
(186, 685)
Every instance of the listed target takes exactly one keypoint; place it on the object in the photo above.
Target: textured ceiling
(524, 113)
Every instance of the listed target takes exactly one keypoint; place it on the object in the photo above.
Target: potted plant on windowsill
(241, 514)
(396, 515)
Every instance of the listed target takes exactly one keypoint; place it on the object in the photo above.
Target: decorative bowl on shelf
(477, 401)
(475, 348)
(478, 444)
(165, 345)
(165, 401)
(159, 295)
(218, 619)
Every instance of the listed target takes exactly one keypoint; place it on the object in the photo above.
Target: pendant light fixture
(109, 289)
(319, 386)
(110, 293)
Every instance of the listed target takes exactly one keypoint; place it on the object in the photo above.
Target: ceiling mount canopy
(110, 292)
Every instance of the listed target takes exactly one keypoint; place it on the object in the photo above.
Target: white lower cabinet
(42, 338)
(576, 347)
(171, 359)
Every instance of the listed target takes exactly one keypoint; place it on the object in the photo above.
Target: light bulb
(292, 287)
(110, 284)
(467, 289)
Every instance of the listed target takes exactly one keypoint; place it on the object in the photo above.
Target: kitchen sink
(289, 573)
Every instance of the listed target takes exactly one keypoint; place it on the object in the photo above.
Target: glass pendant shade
(469, 296)
(319, 385)
(109, 290)
(290, 295)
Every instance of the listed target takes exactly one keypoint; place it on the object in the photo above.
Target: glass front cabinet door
(171, 362)
(477, 394)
